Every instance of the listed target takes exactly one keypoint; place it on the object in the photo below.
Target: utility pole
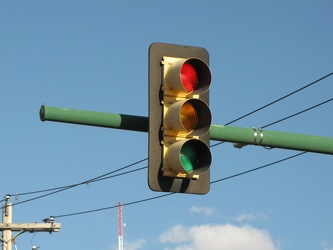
(7, 227)
(7, 219)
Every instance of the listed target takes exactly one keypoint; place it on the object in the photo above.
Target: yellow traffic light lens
(188, 77)
(188, 116)
(188, 157)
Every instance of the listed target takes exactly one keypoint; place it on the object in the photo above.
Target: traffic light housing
(179, 119)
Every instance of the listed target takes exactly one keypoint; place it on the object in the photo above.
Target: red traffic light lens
(182, 76)
(188, 77)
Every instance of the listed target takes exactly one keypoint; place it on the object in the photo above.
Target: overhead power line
(280, 99)
(63, 188)
(298, 113)
(115, 206)
(107, 175)
(286, 118)
(258, 168)
(168, 194)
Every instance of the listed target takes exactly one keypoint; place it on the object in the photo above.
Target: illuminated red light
(188, 77)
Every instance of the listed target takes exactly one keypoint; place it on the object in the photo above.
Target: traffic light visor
(190, 157)
(186, 76)
(187, 117)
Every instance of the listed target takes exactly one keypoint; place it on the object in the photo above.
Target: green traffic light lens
(188, 157)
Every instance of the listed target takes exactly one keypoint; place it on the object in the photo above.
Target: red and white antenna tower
(120, 228)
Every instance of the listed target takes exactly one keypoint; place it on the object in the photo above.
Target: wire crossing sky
(281, 98)
(94, 56)
(106, 176)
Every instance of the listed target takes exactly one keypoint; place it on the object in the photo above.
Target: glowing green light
(188, 157)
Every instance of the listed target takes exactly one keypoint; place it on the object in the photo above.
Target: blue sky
(93, 55)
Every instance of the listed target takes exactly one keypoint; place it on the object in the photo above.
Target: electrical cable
(168, 194)
(280, 99)
(83, 182)
(60, 189)
(273, 102)
(115, 206)
(103, 177)
(156, 197)
(298, 113)
(286, 118)
(255, 169)
(116, 175)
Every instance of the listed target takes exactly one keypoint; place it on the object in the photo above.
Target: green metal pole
(240, 136)
(92, 118)
(267, 138)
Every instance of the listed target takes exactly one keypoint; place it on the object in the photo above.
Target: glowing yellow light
(188, 116)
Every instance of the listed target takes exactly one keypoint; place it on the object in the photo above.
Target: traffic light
(179, 119)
